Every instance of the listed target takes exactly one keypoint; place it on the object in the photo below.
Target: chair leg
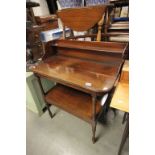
(124, 137)
(124, 118)
(114, 111)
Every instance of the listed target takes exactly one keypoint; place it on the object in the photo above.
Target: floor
(68, 135)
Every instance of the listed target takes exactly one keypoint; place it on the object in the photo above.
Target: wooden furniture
(33, 38)
(34, 25)
(118, 23)
(87, 18)
(121, 96)
(29, 11)
(83, 18)
(119, 20)
(84, 72)
(120, 101)
(33, 34)
(49, 22)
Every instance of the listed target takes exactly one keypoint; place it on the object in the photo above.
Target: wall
(41, 10)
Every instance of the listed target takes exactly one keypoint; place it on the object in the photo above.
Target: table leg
(124, 117)
(94, 118)
(49, 111)
(125, 135)
(43, 93)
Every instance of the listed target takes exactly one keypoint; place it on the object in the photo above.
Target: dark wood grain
(84, 72)
(102, 35)
(67, 70)
(91, 55)
(111, 47)
(33, 39)
(48, 22)
(72, 101)
(81, 19)
(45, 19)
(76, 67)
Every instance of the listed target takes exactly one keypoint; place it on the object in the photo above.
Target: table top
(86, 74)
(120, 99)
(88, 66)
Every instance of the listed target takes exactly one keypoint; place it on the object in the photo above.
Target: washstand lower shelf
(73, 101)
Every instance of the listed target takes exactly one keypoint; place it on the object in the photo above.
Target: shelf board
(73, 101)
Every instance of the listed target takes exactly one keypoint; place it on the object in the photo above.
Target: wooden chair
(83, 19)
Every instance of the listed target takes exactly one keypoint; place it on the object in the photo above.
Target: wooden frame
(83, 18)
(84, 72)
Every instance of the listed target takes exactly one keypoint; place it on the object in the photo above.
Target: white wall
(42, 9)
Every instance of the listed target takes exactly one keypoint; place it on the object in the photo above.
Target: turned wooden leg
(43, 93)
(125, 135)
(94, 118)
